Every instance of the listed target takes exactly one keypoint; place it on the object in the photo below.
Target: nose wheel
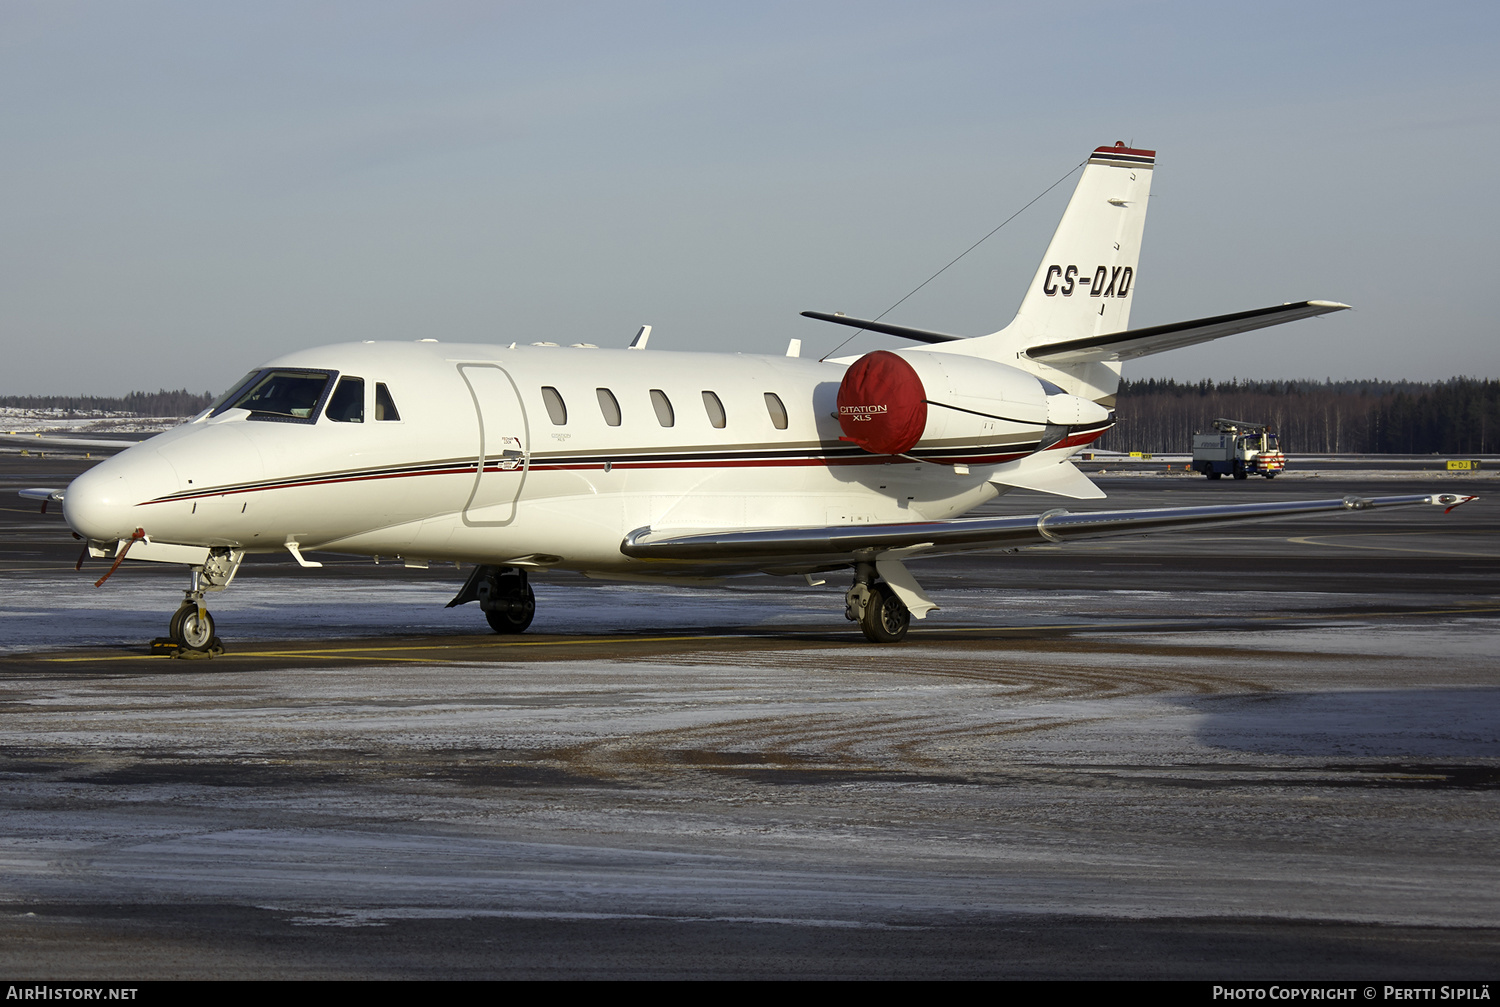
(192, 627)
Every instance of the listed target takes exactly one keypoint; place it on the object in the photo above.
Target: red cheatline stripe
(703, 463)
(323, 481)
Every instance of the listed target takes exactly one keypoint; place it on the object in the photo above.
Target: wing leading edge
(796, 547)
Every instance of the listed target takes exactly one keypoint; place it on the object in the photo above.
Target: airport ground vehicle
(1239, 449)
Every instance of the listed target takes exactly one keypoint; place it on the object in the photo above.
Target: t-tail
(1073, 326)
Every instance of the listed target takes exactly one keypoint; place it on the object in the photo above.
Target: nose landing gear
(192, 628)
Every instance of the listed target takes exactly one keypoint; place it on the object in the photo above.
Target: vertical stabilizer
(1085, 282)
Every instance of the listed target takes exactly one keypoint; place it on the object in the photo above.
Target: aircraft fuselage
(544, 456)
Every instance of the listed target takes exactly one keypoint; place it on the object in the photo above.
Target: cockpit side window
(285, 395)
(385, 406)
(347, 403)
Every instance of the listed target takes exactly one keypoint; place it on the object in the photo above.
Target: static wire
(960, 255)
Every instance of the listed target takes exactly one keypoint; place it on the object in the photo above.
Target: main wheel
(1270, 475)
(885, 619)
(514, 613)
(192, 627)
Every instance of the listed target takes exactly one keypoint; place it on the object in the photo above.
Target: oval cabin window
(777, 410)
(715, 410)
(663, 407)
(609, 406)
(555, 407)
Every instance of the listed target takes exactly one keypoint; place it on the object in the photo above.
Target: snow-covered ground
(79, 423)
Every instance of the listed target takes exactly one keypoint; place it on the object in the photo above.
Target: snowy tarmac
(1271, 753)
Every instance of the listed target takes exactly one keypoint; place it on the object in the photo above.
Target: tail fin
(1084, 284)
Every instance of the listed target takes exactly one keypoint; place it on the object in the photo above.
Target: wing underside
(794, 549)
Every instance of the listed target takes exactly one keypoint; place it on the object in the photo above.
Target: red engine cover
(882, 404)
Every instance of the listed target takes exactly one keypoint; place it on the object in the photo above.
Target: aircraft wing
(1159, 338)
(95, 445)
(795, 548)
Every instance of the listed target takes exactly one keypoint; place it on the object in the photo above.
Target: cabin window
(385, 406)
(609, 406)
(555, 406)
(663, 407)
(715, 410)
(286, 396)
(347, 403)
(777, 410)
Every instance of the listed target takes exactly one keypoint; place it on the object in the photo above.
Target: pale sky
(191, 189)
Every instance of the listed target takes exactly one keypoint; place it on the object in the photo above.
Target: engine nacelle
(893, 404)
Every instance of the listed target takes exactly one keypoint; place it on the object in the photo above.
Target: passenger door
(503, 447)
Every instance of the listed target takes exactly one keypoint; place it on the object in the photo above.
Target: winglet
(639, 342)
(1448, 501)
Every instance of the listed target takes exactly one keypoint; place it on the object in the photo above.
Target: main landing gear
(508, 602)
(882, 616)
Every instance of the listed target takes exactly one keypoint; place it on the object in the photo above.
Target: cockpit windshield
(285, 395)
(218, 405)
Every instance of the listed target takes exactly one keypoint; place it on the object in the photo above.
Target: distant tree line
(162, 403)
(1458, 416)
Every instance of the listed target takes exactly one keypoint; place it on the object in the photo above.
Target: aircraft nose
(102, 503)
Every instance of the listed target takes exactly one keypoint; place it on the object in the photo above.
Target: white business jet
(679, 467)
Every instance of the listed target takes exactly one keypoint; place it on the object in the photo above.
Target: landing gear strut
(508, 602)
(192, 628)
(882, 616)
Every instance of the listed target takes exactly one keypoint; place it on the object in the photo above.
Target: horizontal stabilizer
(1061, 479)
(1160, 338)
(920, 335)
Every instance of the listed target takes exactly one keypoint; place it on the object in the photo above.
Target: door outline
(484, 455)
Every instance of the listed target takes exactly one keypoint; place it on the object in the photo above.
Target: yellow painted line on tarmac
(375, 651)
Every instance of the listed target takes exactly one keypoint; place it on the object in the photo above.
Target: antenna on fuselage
(794, 348)
(639, 342)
